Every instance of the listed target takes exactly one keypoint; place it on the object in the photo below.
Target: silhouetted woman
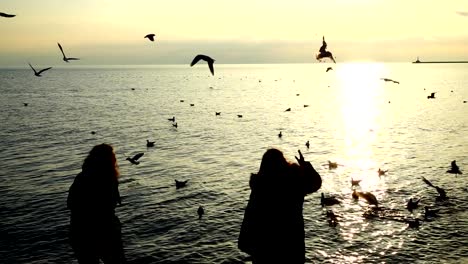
(94, 228)
(273, 227)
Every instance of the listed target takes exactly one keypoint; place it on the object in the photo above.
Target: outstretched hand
(300, 160)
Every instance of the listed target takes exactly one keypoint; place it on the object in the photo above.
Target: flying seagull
(329, 69)
(65, 59)
(390, 80)
(38, 73)
(442, 193)
(323, 53)
(134, 159)
(6, 15)
(209, 60)
(150, 37)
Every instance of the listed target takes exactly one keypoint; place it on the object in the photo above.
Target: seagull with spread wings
(323, 53)
(38, 73)
(65, 58)
(208, 59)
(150, 36)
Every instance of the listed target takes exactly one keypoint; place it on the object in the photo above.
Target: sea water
(349, 115)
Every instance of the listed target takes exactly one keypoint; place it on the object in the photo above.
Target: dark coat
(273, 227)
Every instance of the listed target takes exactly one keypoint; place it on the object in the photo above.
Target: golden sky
(241, 31)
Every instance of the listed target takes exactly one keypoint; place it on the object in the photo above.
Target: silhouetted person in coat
(273, 227)
(94, 228)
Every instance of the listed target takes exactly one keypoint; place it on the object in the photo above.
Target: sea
(349, 115)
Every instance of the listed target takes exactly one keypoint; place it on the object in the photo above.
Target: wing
(43, 70)
(6, 15)
(73, 58)
(210, 64)
(32, 68)
(60, 46)
(137, 156)
(196, 59)
(427, 182)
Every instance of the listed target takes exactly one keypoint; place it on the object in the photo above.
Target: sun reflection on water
(360, 95)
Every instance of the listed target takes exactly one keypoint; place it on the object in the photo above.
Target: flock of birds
(376, 211)
(325, 201)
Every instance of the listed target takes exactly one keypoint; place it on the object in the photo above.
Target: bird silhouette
(208, 59)
(180, 184)
(430, 212)
(6, 15)
(355, 182)
(288, 110)
(454, 169)
(332, 165)
(412, 204)
(217, 113)
(369, 197)
(239, 116)
(38, 73)
(280, 134)
(323, 53)
(149, 144)
(442, 193)
(432, 96)
(175, 125)
(150, 37)
(65, 58)
(307, 144)
(134, 159)
(329, 69)
(381, 172)
(172, 119)
(306, 105)
(390, 80)
(25, 104)
(200, 212)
(328, 201)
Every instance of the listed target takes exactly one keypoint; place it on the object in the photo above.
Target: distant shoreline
(418, 62)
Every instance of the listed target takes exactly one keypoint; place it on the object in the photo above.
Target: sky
(102, 32)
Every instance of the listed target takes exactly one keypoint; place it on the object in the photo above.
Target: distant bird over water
(442, 193)
(200, 212)
(150, 37)
(432, 96)
(38, 73)
(390, 80)
(134, 159)
(329, 69)
(172, 119)
(65, 58)
(307, 144)
(208, 59)
(6, 15)
(180, 184)
(149, 144)
(323, 53)
(454, 169)
(381, 172)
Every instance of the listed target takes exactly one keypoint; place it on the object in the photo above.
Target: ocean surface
(353, 118)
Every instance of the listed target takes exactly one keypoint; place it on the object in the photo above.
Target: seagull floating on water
(412, 204)
(38, 73)
(200, 212)
(323, 53)
(217, 113)
(307, 144)
(328, 201)
(208, 59)
(134, 159)
(280, 134)
(332, 165)
(432, 96)
(174, 125)
(149, 144)
(65, 58)
(454, 169)
(6, 15)
(172, 119)
(355, 182)
(150, 36)
(287, 110)
(180, 184)
(369, 197)
(382, 172)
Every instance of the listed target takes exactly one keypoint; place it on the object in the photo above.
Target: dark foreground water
(353, 118)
